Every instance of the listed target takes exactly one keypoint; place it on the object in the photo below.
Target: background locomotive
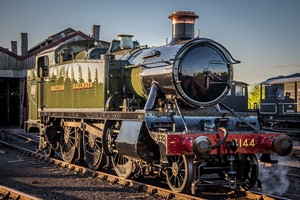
(280, 107)
(138, 107)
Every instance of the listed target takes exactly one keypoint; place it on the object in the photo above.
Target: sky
(263, 34)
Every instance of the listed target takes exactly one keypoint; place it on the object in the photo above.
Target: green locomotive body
(83, 82)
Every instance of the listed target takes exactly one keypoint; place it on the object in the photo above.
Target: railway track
(139, 186)
(9, 194)
(26, 139)
(296, 151)
(168, 194)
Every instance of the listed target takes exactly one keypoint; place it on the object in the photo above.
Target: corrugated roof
(57, 42)
(282, 79)
(239, 83)
(13, 61)
(9, 53)
(52, 38)
(77, 33)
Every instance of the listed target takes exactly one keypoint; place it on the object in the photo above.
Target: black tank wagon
(280, 104)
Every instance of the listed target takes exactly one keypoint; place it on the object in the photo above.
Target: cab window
(240, 90)
(42, 65)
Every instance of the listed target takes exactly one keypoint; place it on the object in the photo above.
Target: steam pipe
(151, 98)
(181, 115)
(221, 129)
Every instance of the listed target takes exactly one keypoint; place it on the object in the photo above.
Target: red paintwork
(181, 144)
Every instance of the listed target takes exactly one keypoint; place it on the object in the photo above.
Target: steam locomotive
(135, 109)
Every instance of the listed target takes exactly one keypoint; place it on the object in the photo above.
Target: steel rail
(9, 193)
(296, 151)
(22, 137)
(270, 196)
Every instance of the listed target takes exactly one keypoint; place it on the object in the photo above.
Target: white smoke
(275, 180)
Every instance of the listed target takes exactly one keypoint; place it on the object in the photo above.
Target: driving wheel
(93, 150)
(247, 171)
(123, 166)
(69, 144)
(179, 173)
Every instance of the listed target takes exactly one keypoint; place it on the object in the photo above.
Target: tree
(254, 96)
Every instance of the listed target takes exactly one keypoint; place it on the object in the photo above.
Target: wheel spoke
(172, 159)
(176, 159)
(172, 177)
(49, 152)
(97, 146)
(181, 163)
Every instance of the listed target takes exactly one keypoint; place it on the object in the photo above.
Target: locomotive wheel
(49, 151)
(249, 171)
(69, 144)
(92, 150)
(180, 173)
(123, 166)
(46, 146)
(108, 137)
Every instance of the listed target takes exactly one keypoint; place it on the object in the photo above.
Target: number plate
(246, 142)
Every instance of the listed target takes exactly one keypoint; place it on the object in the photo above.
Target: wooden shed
(13, 70)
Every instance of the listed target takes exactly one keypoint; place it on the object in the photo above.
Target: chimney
(24, 44)
(125, 41)
(183, 25)
(14, 47)
(96, 32)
